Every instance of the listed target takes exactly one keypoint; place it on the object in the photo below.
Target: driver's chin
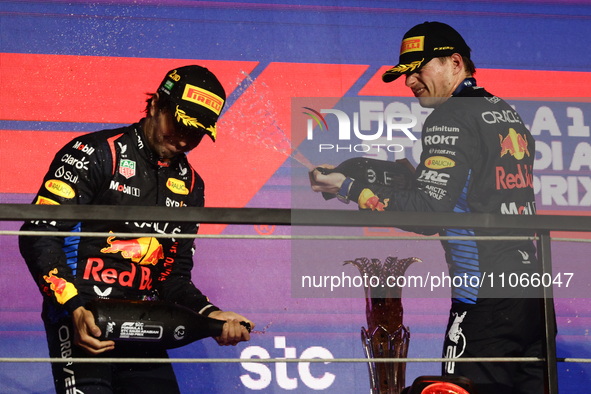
(430, 102)
(167, 153)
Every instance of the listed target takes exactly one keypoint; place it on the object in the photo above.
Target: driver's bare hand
(233, 332)
(86, 333)
(330, 183)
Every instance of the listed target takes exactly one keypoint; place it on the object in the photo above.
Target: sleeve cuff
(73, 303)
(208, 309)
(355, 190)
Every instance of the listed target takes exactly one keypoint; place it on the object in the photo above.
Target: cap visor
(390, 76)
(400, 69)
(211, 136)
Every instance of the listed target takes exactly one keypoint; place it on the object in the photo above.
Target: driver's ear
(153, 109)
(458, 63)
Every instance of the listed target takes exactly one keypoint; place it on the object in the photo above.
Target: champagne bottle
(399, 173)
(152, 322)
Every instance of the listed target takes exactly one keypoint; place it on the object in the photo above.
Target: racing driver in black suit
(143, 164)
(477, 157)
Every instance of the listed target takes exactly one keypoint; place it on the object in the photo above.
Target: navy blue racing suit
(478, 158)
(112, 167)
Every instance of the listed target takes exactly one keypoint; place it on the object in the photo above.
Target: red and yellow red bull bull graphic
(62, 289)
(514, 144)
(368, 200)
(143, 251)
(45, 201)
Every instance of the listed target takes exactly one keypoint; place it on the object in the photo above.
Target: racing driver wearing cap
(143, 164)
(477, 157)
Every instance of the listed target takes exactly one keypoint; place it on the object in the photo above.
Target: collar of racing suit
(467, 82)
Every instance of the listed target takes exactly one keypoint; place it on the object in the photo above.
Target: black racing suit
(477, 157)
(112, 167)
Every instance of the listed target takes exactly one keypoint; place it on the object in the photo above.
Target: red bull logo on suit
(62, 289)
(143, 251)
(514, 144)
(95, 268)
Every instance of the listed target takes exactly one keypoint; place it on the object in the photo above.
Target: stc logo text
(260, 375)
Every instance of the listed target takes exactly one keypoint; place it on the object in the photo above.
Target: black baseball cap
(423, 43)
(196, 97)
